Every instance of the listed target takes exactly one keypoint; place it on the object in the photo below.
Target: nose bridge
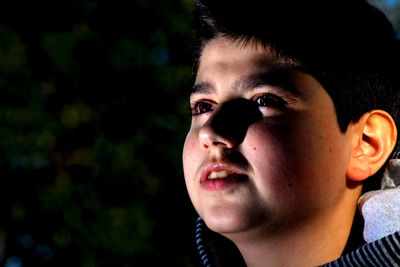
(229, 123)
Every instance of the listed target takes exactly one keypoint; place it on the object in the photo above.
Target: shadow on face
(234, 118)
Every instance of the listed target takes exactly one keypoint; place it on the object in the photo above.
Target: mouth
(219, 176)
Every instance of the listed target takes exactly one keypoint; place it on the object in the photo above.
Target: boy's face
(286, 168)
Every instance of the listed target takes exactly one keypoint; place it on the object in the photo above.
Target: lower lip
(222, 183)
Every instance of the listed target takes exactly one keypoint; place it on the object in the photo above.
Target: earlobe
(376, 136)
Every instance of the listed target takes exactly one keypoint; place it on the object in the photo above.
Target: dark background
(93, 116)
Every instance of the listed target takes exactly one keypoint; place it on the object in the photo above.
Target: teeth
(216, 175)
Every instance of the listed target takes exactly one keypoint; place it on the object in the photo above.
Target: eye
(270, 100)
(201, 107)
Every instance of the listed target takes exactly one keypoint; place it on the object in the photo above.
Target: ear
(375, 136)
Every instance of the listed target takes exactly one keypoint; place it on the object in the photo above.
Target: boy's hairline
(245, 41)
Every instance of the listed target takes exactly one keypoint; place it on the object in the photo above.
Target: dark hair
(347, 45)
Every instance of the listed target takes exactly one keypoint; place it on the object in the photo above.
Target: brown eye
(270, 100)
(201, 107)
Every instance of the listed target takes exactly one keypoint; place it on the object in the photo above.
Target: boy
(294, 106)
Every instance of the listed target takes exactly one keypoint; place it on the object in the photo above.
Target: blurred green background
(93, 116)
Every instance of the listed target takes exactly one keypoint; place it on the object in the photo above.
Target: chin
(226, 221)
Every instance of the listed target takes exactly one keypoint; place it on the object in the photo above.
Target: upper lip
(219, 166)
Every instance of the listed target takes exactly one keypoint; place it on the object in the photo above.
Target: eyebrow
(274, 78)
(202, 88)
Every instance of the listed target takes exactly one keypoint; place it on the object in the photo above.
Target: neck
(313, 243)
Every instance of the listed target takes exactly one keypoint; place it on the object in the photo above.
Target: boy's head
(290, 114)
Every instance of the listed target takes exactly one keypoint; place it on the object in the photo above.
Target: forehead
(240, 64)
(240, 58)
(222, 53)
(232, 69)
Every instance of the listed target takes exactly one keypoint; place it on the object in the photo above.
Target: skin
(294, 197)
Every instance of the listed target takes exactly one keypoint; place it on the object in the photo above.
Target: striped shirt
(382, 252)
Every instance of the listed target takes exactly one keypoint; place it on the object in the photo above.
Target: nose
(229, 124)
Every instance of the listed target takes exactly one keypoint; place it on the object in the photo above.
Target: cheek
(297, 158)
(191, 158)
(321, 160)
(189, 154)
(269, 153)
